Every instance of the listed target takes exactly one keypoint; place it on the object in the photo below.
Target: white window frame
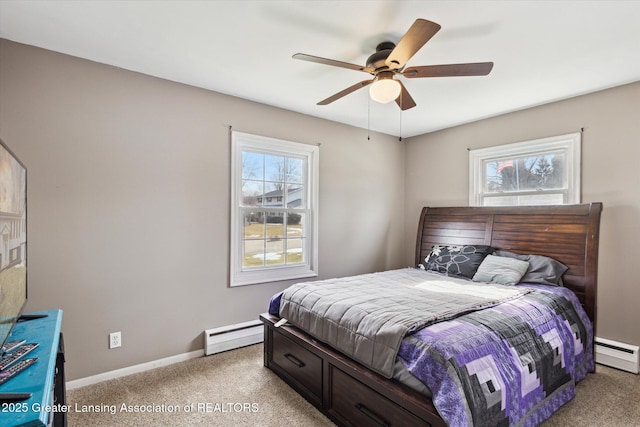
(310, 153)
(569, 144)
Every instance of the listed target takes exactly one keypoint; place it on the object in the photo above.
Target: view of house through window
(272, 198)
(539, 172)
(274, 206)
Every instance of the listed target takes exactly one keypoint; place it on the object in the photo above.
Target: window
(274, 206)
(539, 172)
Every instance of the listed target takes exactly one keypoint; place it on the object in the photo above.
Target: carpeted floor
(235, 389)
(227, 389)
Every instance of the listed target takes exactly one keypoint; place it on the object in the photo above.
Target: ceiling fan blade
(404, 101)
(345, 92)
(449, 70)
(333, 62)
(419, 33)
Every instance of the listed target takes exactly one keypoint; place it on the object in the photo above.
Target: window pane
(295, 171)
(274, 168)
(294, 225)
(532, 172)
(295, 197)
(252, 253)
(252, 165)
(274, 252)
(273, 196)
(253, 225)
(251, 193)
(275, 225)
(295, 251)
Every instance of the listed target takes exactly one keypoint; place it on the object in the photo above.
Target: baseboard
(94, 379)
(233, 336)
(618, 355)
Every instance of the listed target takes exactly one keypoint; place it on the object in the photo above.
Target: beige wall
(437, 175)
(128, 198)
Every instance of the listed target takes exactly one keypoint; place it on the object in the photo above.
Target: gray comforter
(367, 316)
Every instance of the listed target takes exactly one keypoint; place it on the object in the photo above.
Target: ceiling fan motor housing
(377, 61)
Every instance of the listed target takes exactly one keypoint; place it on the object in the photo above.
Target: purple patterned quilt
(510, 365)
(513, 364)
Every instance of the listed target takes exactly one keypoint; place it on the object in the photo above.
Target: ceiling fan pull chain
(400, 131)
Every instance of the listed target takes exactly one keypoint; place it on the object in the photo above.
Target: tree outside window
(538, 172)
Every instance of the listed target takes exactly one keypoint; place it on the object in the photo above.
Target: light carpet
(235, 389)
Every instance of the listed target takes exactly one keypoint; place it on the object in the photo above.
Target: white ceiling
(543, 50)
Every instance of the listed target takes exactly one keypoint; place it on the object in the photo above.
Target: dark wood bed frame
(352, 395)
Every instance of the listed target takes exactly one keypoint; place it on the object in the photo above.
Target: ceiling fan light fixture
(385, 89)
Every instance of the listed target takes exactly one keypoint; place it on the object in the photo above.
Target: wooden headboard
(567, 233)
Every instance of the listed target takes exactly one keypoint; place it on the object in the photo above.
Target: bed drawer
(300, 364)
(348, 395)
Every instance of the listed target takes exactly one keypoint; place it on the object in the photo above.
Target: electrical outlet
(115, 339)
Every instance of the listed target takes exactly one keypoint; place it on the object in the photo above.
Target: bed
(353, 393)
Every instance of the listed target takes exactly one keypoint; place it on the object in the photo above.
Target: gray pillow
(542, 269)
(502, 270)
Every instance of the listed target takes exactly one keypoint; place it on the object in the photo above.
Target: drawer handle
(299, 363)
(371, 415)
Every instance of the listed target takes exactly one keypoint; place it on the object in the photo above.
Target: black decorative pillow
(457, 260)
(542, 269)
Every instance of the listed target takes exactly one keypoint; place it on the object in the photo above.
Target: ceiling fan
(389, 60)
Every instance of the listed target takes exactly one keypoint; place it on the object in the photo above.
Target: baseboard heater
(617, 355)
(232, 336)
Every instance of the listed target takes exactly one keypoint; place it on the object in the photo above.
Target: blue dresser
(44, 379)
